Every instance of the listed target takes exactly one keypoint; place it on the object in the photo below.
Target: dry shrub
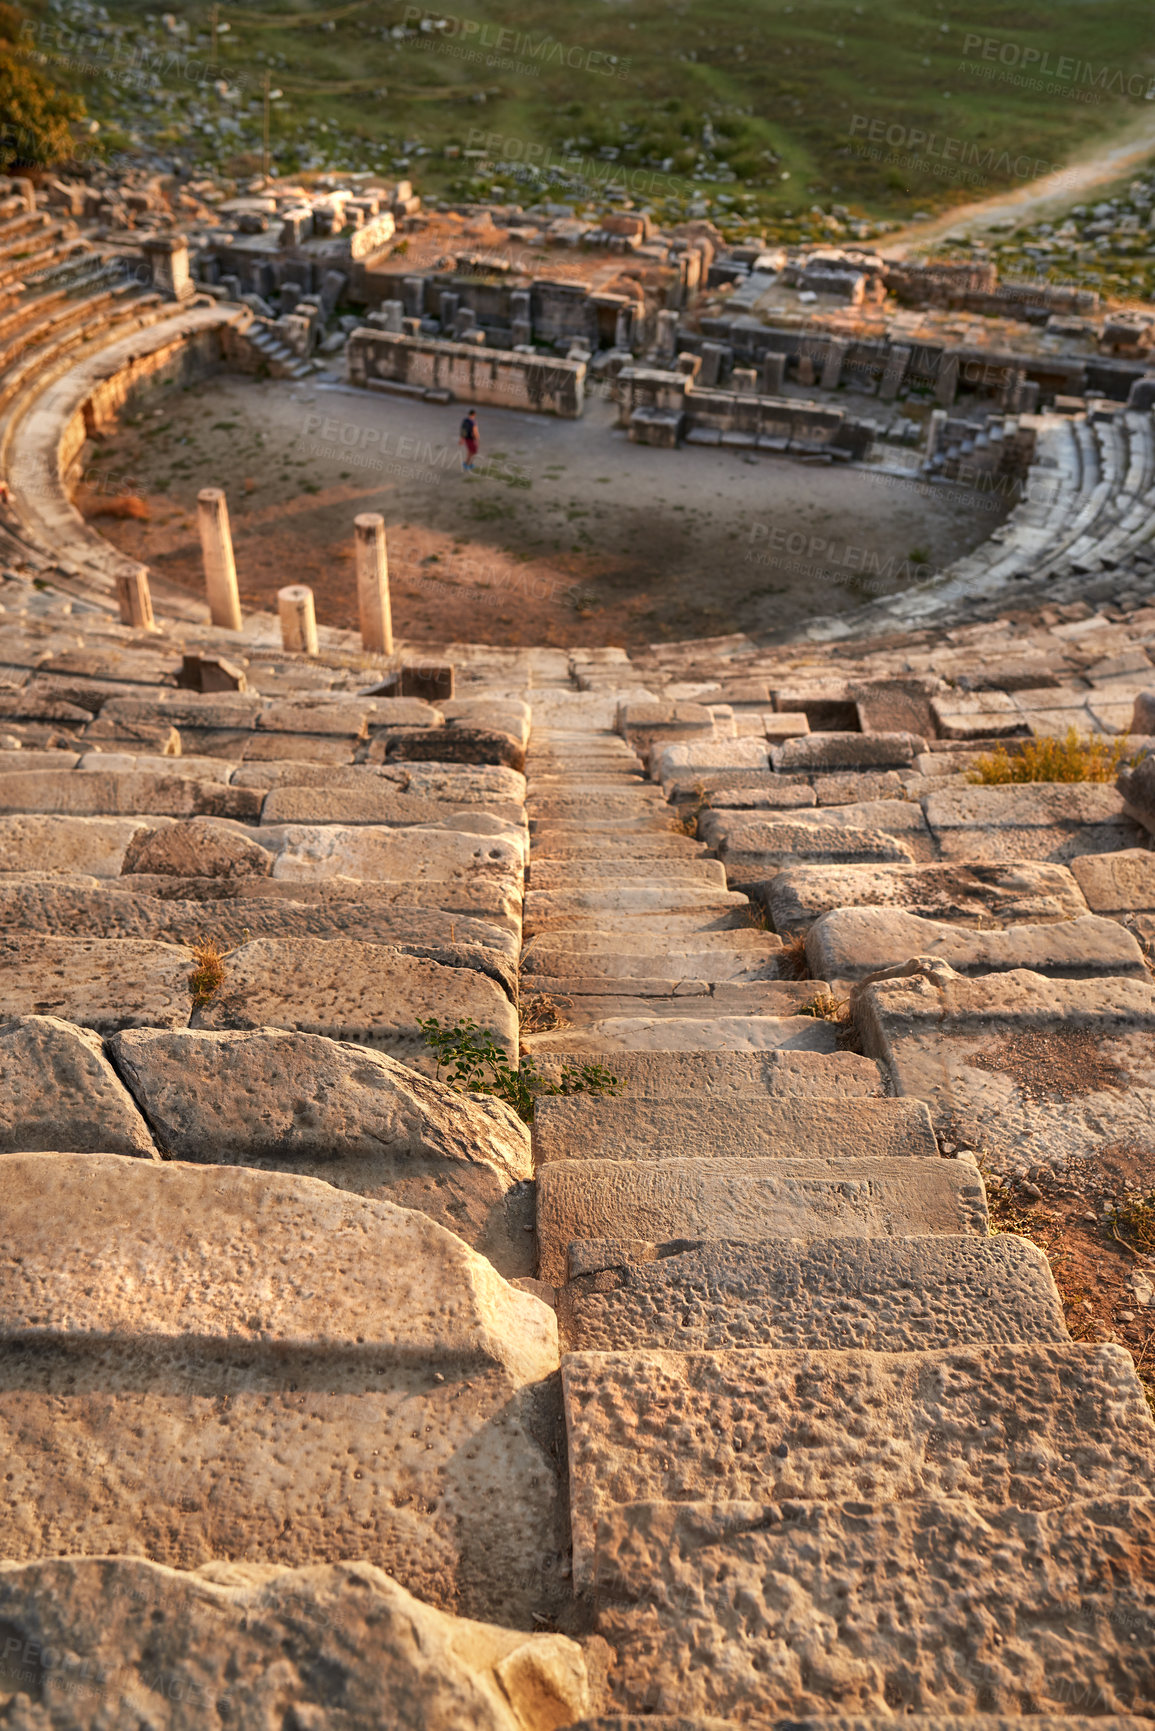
(208, 975)
(540, 1014)
(1067, 759)
(792, 963)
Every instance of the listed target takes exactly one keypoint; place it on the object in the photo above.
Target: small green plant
(1067, 759)
(476, 1064)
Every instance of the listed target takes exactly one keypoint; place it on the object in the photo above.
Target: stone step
(380, 804)
(961, 893)
(708, 960)
(866, 1294)
(681, 924)
(589, 1003)
(743, 1199)
(491, 900)
(582, 844)
(847, 751)
(1023, 1070)
(629, 898)
(57, 911)
(743, 1034)
(582, 1128)
(736, 832)
(69, 794)
(98, 983)
(858, 1722)
(810, 1075)
(851, 943)
(877, 1608)
(305, 852)
(1031, 1425)
(577, 875)
(250, 1384)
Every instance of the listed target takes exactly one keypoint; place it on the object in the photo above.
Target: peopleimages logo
(1063, 69)
(916, 144)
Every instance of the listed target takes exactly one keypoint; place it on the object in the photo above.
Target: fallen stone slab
(836, 788)
(825, 751)
(584, 1128)
(750, 1199)
(982, 714)
(1036, 821)
(292, 1102)
(58, 1090)
(808, 1075)
(422, 854)
(869, 1294)
(744, 1034)
(311, 1376)
(1030, 1425)
(707, 784)
(506, 715)
(215, 1639)
(92, 845)
(1023, 1070)
(319, 714)
(769, 796)
(1117, 883)
(199, 847)
(646, 725)
(754, 850)
(363, 993)
(797, 1594)
(965, 895)
(100, 912)
(70, 793)
(377, 805)
(851, 943)
(97, 983)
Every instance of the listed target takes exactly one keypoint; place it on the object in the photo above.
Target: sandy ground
(566, 534)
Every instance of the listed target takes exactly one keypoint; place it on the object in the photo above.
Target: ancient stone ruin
(732, 1389)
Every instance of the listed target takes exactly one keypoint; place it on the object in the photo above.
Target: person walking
(470, 442)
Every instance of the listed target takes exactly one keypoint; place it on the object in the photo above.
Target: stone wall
(660, 407)
(498, 377)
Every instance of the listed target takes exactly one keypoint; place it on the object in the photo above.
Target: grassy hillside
(755, 105)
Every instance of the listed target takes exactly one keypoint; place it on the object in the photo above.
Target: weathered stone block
(292, 1102)
(966, 895)
(750, 1199)
(851, 943)
(58, 1090)
(308, 1376)
(98, 983)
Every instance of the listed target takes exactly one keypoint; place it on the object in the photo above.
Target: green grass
(750, 107)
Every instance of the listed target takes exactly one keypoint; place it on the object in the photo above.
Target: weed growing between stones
(542, 1013)
(1067, 759)
(208, 976)
(476, 1064)
(792, 963)
(825, 1007)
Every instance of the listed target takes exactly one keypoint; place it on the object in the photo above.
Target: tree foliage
(37, 114)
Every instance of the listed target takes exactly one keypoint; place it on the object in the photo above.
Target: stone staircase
(712, 1399)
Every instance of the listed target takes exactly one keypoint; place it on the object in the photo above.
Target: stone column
(217, 551)
(832, 365)
(667, 333)
(167, 255)
(298, 619)
(135, 599)
(373, 583)
(946, 384)
(894, 372)
(773, 374)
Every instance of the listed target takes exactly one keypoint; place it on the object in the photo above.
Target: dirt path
(1037, 199)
